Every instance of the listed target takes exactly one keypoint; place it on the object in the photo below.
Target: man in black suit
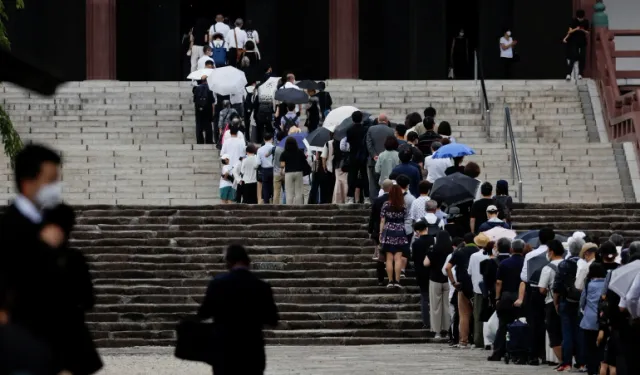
(27, 257)
(240, 305)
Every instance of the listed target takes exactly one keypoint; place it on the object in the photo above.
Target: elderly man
(375, 139)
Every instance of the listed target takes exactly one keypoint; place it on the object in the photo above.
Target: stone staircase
(151, 266)
(131, 143)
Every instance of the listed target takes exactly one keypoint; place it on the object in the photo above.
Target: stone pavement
(430, 359)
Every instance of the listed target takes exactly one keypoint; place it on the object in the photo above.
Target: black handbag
(195, 341)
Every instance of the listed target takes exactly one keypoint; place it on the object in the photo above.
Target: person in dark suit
(74, 345)
(27, 256)
(240, 305)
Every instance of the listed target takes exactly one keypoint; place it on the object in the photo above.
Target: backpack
(220, 55)
(201, 97)
(265, 112)
(289, 123)
(566, 279)
(504, 212)
(433, 229)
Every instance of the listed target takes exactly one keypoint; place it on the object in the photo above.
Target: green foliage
(10, 138)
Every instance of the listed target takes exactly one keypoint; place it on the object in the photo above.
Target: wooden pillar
(101, 39)
(343, 39)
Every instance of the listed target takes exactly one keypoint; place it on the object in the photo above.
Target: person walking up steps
(393, 238)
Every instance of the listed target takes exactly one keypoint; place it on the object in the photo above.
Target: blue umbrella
(299, 137)
(453, 150)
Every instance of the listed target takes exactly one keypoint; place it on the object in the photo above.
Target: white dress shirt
(474, 269)
(418, 208)
(265, 153)
(27, 209)
(436, 167)
(541, 250)
(221, 28)
(238, 34)
(237, 98)
(203, 60)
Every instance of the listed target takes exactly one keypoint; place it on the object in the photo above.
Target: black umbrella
(341, 130)
(319, 137)
(531, 237)
(293, 96)
(308, 84)
(454, 189)
(23, 74)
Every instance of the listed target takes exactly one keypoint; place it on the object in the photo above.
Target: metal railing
(515, 163)
(484, 99)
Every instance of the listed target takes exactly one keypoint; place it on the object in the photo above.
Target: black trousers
(326, 190)
(232, 57)
(261, 129)
(357, 178)
(203, 125)
(536, 320)
(579, 54)
(594, 354)
(321, 188)
(267, 185)
(455, 326)
(250, 193)
(507, 67)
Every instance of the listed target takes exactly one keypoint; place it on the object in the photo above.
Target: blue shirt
(509, 272)
(589, 303)
(414, 176)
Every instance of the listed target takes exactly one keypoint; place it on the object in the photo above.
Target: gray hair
(226, 103)
(239, 22)
(431, 206)
(634, 248)
(617, 239)
(517, 246)
(576, 246)
(503, 245)
(435, 146)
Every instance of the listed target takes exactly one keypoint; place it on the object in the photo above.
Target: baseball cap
(492, 208)
(225, 157)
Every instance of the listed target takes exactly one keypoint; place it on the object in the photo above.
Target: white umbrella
(497, 233)
(335, 117)
(197, 75)
(622, 278)
(227, 81)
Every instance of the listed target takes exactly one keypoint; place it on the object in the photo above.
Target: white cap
(225, 157)
(492, 208)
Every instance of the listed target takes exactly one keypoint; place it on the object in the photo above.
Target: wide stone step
(293, 232)
(267, 274)
(310, 282)
(304, 340)
(162, 290)
(199, 242)
(219, 250)
(219, 227)
(221, 267)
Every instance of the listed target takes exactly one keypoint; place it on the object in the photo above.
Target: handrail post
(475, 66)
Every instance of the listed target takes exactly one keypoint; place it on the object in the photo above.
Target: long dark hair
(396, 199)
(291, 145)
(444, 244)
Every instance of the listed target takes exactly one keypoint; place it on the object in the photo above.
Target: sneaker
(350, 201)
(463, 346)
(437, 337)
(568, 77)
(582, 368)
(397, 285)
(579, 77)
(390, 285)
(402, 275)
(563, 368)
(534, 362)
(452, 344)
(494, 358)
(487, 347)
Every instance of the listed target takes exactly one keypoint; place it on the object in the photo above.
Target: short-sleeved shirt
(479, 212)
(506, 53)
(579, 38)
(509, 273)
(292, 161)
(547, 276)
(292, 116)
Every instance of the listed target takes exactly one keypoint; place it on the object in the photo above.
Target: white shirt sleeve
(581, 276)
(523, 273)
(444, 268)
(545, 278)
(344, 145)
(256, 36)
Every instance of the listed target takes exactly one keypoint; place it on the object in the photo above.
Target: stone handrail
(621, 112)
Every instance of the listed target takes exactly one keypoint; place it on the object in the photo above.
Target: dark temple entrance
(150, 35)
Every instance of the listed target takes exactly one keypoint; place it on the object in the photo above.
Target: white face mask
(49, 195)
(508, 33)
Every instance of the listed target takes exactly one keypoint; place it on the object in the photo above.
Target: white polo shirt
(234, 34)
